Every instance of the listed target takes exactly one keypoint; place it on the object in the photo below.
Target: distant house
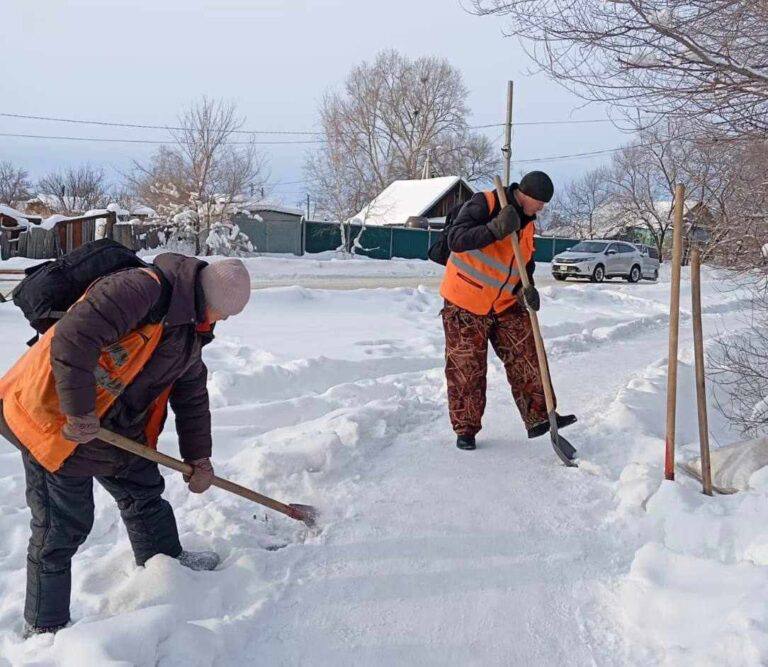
(428, 199)
(268, 225)
(266, 211)
(609, 221)
(142, 213)
(12, 224)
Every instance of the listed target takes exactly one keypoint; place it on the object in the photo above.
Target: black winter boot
(199, 560)
(31, 630)
(466, 442)
(542, 428)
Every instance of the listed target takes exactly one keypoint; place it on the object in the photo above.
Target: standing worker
(482, 291)
(127, 348)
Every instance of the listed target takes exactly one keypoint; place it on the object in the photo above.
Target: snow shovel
(304, 513)
(562, 447)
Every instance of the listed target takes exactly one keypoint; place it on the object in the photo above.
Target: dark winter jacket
(469, 230)
(114, 306)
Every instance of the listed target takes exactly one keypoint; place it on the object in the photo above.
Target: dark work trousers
(62, 517)
(466, 364)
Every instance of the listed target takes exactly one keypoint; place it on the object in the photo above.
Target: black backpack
(50, 288)
(439, 251)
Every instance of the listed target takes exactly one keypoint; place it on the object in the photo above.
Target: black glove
(531, 298)
(505, 223)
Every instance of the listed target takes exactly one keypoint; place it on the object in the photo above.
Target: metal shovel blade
(564, 449)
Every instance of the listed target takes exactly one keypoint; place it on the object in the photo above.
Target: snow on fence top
(403, 199)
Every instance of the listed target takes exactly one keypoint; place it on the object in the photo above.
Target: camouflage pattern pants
(466, 361)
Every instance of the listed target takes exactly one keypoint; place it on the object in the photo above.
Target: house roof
(143, 210)
(260, 206)
(18, 216)
(403, 199)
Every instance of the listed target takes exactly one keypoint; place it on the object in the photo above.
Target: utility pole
(426, 169)
(507, 148)
(307, 206)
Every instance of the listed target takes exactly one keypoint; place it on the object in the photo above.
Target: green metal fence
(388, 242)
(547, 247)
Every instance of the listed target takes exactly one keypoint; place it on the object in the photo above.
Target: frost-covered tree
(697, 60)
(195, 182)
(15, 185)
(75, 189)
(392, 115)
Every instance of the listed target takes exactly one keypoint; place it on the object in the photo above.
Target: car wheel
(634, 274)
(598, 275)
(559, 277)
(656, 274)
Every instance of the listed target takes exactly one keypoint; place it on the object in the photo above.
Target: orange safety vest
(31, 405)
(483, 280)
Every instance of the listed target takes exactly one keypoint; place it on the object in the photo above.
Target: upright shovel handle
(541, 353)
(179, 466)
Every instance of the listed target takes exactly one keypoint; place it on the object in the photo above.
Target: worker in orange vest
(131, 346)
(482, 291)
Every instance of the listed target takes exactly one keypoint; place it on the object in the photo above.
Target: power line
(143, 127)
(281, 132)
(543, 122)
(155, 142)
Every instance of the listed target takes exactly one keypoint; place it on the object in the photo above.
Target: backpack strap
(490, 199)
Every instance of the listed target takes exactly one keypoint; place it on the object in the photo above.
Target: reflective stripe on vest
(484, 280)
(30, 401)
(482, 277)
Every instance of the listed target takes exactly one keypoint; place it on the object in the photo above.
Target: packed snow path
(427, 554)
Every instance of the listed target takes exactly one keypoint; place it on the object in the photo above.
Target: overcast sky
(142, 61)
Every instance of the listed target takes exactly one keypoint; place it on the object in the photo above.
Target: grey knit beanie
(226, 286)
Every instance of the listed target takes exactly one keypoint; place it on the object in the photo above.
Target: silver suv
(651, 263)
(598, 260)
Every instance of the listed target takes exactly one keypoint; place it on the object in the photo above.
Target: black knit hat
(538, 185)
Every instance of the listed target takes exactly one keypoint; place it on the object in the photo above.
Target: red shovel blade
(305, 513)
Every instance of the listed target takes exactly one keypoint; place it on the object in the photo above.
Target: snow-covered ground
(426, 554)
(327, 270)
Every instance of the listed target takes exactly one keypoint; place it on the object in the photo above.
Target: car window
(613, 246)
(624, 247)
(652, 252)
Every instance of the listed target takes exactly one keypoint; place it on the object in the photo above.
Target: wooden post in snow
(674, 329)
(701, 388)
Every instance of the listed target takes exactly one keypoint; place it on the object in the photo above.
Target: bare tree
(586, 201)
(393, 115)
(201, 176)
(692, 59)
(76, 189)
(15, 185)
(739, 365)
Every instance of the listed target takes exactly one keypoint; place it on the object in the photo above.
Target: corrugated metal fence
(287, 237)
(388, 242)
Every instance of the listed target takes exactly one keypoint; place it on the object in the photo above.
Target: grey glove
(202, 475)
(531, 298)
(81, 428)
(505, 223)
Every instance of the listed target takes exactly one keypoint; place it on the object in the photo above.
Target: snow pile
(425, 554)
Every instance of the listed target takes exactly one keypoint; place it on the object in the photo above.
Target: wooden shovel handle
(541, 353)
(179, 466)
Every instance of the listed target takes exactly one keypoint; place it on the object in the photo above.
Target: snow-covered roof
(18, 216)
(143, 210)
(403, 199)
(254, 206)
